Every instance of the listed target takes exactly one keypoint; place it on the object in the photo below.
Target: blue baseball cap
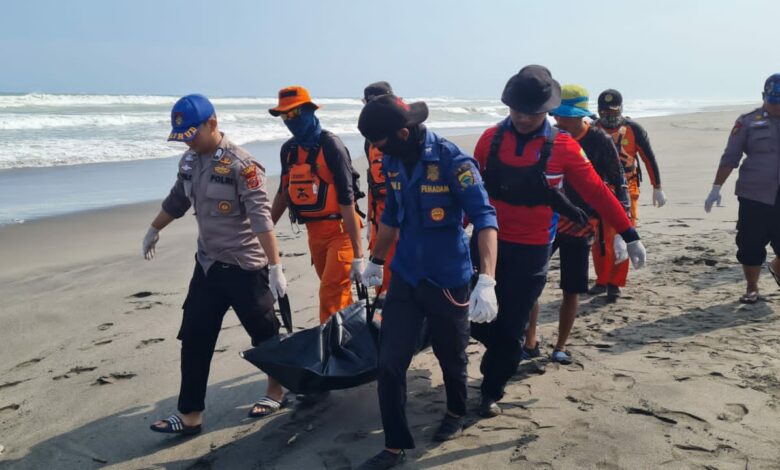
(772, 89)
(187, 115)
(574, 102)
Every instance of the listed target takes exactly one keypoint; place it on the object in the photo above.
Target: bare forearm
(278, 207)
(352, 226)
(162, 220)
(487, 240)
(385, 238)
(722, 175)
(270, 246)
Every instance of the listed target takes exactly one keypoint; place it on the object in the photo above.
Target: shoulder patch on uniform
(249, 171)
(250, 177)
(465, 175)
(737, 127)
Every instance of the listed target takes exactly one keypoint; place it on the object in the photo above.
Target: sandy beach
(676, 375)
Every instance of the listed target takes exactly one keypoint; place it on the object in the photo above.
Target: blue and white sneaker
(561, 357)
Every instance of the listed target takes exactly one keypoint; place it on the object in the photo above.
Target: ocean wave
(77, 100)
(47, 130)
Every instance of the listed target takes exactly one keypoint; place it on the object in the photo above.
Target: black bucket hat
(377, 89)
(532, 90)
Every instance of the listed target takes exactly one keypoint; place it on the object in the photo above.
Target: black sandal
(271, 406)
(174, 425)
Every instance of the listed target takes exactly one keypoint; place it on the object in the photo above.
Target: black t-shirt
(603, 155)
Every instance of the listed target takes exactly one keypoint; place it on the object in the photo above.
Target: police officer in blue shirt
(430, 185)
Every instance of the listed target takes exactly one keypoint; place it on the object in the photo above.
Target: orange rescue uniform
(631, 141)
(316, 182)
(377, 192)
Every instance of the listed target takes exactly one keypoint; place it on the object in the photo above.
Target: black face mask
(396, 147)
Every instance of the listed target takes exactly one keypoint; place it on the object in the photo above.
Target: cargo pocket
(223, 200)
(760, 139)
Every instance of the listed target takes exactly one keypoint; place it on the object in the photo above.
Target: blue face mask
(305, 128)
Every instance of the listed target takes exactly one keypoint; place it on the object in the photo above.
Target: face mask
(305, 128)
(395, 147)
(612, 119)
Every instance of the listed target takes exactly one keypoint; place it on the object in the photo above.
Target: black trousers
(757, 225)
(521, 272)
(402, 317)
(208, 299)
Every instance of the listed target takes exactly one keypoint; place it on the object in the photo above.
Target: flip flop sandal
(774, 274)
(271, 406)
(174, 425)
(749, 298)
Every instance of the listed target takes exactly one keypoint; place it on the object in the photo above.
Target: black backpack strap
(495, 144)
(292, 154)
(544, 154)
(492, 162)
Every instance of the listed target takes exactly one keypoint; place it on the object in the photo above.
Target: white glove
(483, 305)
(659, 198)
(276, 281)
(714, 197)
(620, 249)
(356, 273)
(150, 241)
(637, 253)
(373, 274)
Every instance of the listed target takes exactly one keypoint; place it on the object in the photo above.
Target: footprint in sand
(725, 456)
(624, 381)
(150, 341)
(113, 378)
(141, 295)
(734, 412)
(28, 363)
(671, 416)
(335, 459)
(104, 326)
(12, 384)
(11, 407)
(74, 371)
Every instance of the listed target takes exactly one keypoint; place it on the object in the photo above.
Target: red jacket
(536, 225)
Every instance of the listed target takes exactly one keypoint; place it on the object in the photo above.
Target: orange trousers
(607, 272)
(331, 255)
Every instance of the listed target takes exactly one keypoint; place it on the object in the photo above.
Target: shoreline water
(33, 193)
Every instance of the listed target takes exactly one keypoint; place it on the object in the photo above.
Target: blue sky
(649, 49)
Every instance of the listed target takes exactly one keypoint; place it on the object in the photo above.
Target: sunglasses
(291, 114)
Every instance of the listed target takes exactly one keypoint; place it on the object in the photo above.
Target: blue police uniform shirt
(428, 208)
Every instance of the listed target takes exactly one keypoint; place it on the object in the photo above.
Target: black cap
(610, 99)
(385, 115)
(532, 91)
(377, 89)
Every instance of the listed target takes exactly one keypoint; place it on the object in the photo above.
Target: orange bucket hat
(290, 98)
